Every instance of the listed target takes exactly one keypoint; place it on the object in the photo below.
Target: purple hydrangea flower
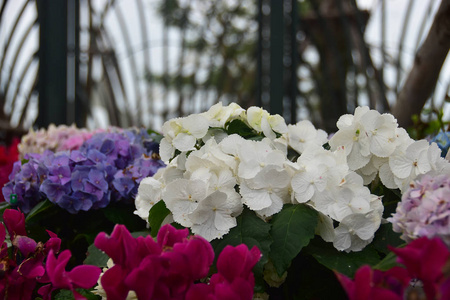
(107, 168)
(424, 209)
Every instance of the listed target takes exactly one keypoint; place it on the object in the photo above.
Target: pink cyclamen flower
(370, 284)
(15, 222)
(165, 269)
(84, 276)
(234, 280)
(425, 259)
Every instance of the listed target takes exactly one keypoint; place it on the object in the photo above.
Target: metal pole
(52, 85)
(276, 56)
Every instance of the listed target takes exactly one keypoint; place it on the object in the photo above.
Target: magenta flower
(165, 269)
(425, 259)
(234, 279)
(20, 273)
(84, 276)
(15, 222)
(372, 284)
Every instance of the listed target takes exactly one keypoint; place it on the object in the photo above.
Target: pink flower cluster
(171, 266)
(424, 262)
(55, 138)
(424, 209)
(23, 267)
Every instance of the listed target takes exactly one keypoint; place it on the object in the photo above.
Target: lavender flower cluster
(424, 209)
(107, 168)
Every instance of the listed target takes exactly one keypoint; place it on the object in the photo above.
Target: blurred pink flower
(425, 259)
(84, 276)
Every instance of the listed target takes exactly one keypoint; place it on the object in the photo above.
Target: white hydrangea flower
(210, 155)
(182, 134)
(218, 115)
(150, 189)
(303, 133)
(260, 120)
(182, 197)
(216, 214)
(357, 230)
(267, 191)
(351, 197)
(365, 134)
(319, 170)
(255, 155)
(325, 228)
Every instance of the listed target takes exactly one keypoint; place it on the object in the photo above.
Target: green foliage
(156, 216)
(241, 128)
(342, 262)
(68, 295)
(385, 237)
(96, 257)
(252, 231)
(120, 213)
(292, 229)
(78, 231)
(3, 206)
(40, 211)
(309, 280)
(435, 123)
(386, 263)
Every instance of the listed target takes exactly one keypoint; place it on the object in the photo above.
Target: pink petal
(143, 279)
(169, 235)
(84, 276)
(15, 222)
(25, 244)
(113, 283)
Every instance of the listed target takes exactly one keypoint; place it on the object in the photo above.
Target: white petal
(255, 199)
(166, 150)
(184, 142)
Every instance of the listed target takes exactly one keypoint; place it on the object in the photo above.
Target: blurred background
(96, 63)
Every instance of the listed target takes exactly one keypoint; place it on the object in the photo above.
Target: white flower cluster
(375, 145)
(211, 175)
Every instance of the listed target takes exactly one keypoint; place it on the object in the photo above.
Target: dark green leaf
(96, 257)
(292, 229)
(343, 262)
(252, 231)
(41, 208)
(388, 262)
(239, 127)
(3, 206)
(309, 280)
(119, 213)
(385, 237)
(68, 295)
(156, 216)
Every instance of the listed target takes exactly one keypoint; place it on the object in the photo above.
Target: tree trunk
(425, 72)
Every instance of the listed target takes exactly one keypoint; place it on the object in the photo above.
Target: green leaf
(292, 229)
(68, 295)
(156, 216)
(388, 262)
(343, 262)
(3, 207)
(120, 213)
(41, 208)
(96, 257)
(251, 231)
(385, 237)
(239, 127)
